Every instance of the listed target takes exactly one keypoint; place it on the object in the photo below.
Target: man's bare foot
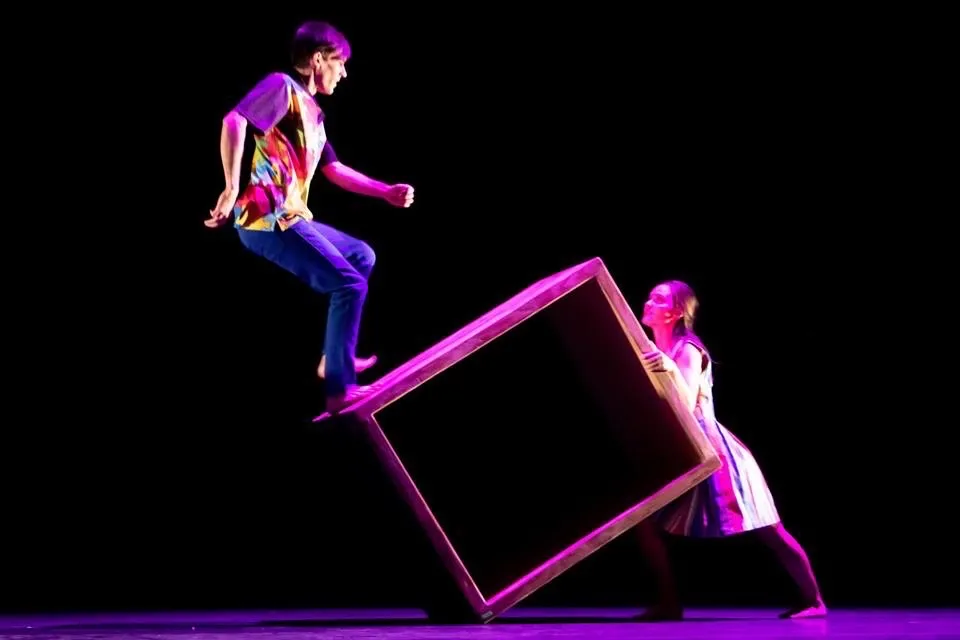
(816, 610)
(353, 394)
(661, 612)
(359, 365)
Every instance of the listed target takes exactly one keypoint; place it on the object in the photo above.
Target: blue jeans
(330, 262)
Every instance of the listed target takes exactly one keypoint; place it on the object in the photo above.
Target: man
(271, 215)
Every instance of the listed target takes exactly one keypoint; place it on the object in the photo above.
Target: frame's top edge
(574, 276)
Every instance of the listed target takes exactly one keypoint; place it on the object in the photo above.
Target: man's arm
(263, 107)
(231, 151)
(231, 148)
(399, 195)
(352, 180)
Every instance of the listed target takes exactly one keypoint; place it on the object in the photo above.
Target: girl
(735, 499)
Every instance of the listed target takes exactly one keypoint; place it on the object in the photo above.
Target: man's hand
(220, 214)
(399, 195)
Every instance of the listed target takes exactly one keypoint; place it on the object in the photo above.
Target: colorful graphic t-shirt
(291, 144)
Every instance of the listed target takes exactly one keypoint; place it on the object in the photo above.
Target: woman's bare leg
(794, 559)
(667, 605)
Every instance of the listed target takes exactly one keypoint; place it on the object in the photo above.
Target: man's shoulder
(269, 101)
(278, 78)
(287, 82)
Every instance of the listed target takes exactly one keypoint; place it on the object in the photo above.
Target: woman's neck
(664, 339)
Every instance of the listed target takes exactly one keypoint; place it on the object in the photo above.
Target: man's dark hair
(316, 36)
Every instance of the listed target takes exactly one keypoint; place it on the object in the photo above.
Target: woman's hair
(686, 301)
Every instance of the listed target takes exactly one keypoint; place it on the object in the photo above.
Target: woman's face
(658, 310)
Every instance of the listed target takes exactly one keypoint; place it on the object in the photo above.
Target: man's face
(330, 69)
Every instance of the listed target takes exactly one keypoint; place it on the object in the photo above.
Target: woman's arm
(685, 372)
(690, 365)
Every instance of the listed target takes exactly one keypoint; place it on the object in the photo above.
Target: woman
(735, 499)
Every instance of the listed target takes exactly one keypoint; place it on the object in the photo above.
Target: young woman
(735, 499)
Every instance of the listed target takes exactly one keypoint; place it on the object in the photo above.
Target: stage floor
(526, 623)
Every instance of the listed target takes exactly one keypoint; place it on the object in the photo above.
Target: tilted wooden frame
(535, 298)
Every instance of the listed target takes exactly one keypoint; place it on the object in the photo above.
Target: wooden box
(533, 436)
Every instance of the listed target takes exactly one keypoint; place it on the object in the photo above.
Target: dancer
(271, 215)
(735, 499)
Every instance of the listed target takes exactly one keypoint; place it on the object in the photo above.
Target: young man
(271, 215)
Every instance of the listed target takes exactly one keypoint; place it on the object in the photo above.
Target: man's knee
(343, 280)
(355, 287)
(366, 258)
(352, 282)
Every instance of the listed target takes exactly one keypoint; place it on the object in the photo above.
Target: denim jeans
(330, 262)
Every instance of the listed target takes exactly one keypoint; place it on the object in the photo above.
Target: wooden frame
(535, 298)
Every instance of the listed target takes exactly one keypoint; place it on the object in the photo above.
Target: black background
(159, 452)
